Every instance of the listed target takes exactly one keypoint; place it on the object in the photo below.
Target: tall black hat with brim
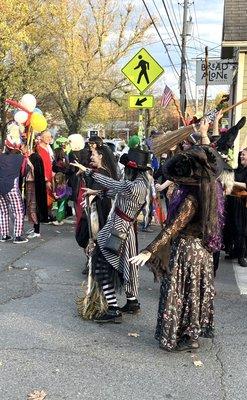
(136, 159)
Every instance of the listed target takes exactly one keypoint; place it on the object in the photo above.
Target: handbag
(115, 242)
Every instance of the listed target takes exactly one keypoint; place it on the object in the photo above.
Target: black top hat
(136, 159)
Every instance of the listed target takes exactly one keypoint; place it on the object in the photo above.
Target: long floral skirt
(186, 294)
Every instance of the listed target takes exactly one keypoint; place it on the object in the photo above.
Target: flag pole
(178, 110)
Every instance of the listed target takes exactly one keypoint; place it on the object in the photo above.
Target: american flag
(166, 97)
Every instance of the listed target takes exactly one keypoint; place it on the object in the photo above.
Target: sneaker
(6, 238)
(33, 235)
(131, 307)
(57, 223)
(20, 239)
(112, 315)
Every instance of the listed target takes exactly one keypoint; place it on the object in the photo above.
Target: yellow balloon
(38, 122)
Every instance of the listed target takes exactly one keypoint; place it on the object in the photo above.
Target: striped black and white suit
(130, 197)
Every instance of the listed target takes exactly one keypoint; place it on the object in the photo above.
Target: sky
(207, 18)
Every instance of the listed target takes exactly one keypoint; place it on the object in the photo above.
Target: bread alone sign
(219, 72)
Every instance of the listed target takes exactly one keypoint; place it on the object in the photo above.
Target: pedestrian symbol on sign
(142, 70)
(144, 65)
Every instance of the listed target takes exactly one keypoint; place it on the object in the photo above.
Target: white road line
(241, 278)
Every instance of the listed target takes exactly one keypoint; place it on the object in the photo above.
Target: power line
(204, 40)
(212, 49)
(171, 24)
(165, 46)
(194, 9)
(182, 55)
(165, 25)
(175, 17)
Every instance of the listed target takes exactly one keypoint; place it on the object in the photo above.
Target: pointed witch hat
(226, 141)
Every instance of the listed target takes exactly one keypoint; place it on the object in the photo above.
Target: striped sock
(131, 298)
(110, 294)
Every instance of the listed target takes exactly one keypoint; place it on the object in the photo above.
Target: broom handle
(234, 105)
(89, 279)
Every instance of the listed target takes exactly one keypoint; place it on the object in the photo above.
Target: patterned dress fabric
(187, 291)
(130, 198)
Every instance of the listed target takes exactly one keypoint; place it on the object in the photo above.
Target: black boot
(187, 344)
(242, 262)
(112, 315)
(131, 307)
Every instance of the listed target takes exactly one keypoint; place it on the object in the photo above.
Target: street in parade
(123, 200)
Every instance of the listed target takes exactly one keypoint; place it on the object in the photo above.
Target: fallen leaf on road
(134, 334)
(37, 395)
(196, 361)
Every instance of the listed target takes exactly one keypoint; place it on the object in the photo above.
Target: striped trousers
(11, 201)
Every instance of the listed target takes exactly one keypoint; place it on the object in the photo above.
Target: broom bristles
(163, 143)
(93, 304)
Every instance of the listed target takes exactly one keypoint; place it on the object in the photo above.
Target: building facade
(234, 47)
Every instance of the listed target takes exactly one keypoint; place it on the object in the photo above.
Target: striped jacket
(130, 197)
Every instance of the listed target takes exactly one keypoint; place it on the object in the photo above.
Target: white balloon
(21, 117)
(28, 101)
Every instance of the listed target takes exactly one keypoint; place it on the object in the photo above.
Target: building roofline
(234, 43)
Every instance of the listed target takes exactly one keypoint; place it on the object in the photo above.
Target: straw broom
(166, 141)
(93, 302)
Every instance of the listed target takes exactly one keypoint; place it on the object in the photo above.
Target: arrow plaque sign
(141, 101)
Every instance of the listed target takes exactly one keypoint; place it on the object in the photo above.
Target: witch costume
(113, 270)
(193, 228)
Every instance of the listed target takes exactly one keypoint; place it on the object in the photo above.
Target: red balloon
(15, 104)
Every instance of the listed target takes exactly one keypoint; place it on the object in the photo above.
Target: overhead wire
(196, 21)
(164, 44)
(169, 34)
(183, 56)
(175, 18)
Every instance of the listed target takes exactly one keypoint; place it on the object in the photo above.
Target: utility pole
(183, 60)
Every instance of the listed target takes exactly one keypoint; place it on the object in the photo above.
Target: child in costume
(61, 195)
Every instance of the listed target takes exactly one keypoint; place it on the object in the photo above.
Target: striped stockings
(12, 201)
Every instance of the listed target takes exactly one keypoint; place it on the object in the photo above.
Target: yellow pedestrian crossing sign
(142, 70)
(140, 101)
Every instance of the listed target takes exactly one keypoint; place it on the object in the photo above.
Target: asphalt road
(44, 345)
